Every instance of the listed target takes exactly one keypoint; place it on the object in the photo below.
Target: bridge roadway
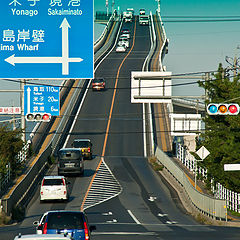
(136, 203)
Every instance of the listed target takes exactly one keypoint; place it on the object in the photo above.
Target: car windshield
(80, 144)
(65, 220)
(97, 80)
(50, 182)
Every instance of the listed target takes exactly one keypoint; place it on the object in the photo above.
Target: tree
(10, 145)
(222, 132)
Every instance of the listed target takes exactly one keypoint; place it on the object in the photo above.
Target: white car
(121, 49)
(43, 237)
(54, 188)
(124, 35)
(142, 11)
(123, 43)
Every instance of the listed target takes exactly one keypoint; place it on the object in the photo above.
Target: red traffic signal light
(222, 109)
(43, 117)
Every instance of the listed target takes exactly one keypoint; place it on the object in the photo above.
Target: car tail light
(63, 182)
(89, 150)
(43, 182)
(45, 228)
(64, 192)
(86, 231)
(41, 192)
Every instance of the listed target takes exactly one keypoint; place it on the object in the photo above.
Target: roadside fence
(220, 192)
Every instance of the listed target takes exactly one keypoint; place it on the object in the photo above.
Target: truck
(143, 19)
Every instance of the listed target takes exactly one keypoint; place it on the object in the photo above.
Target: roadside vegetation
(10, 145)
(222, 132)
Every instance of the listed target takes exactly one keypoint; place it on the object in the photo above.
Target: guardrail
(210, 206)
(98, 43)
(164, 47)
(25, 183)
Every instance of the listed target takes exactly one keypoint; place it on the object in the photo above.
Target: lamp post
(158, 1)
(113, 3)
(107, 6)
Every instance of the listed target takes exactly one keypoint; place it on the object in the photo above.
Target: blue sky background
(194, 47)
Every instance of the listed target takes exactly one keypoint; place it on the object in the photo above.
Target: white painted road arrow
(64, 60)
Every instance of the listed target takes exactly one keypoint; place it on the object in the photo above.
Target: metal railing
(210, 206)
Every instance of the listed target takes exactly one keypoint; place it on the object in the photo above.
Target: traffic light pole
(23, 123)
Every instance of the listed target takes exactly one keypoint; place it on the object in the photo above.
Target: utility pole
(113, 3)
(233, 62)
(158, 5)
(23, 123)
(107, 7)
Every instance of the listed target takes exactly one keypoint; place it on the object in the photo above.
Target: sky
(193, 47)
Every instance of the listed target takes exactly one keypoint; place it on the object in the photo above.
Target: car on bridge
(54, 188)
(142, 11)
(124, 35)
(85, 147)
(98, 84)
(72, 223)
(125, 30)
(123, 42)
(121, 49)
(70, 161)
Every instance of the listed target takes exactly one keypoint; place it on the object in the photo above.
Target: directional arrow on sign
(64, 60)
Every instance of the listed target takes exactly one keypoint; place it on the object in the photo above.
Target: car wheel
(82, 172)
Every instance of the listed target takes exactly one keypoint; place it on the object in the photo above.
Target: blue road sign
(41, 99)
(46, 39)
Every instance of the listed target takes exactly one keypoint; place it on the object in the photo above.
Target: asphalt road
(120, 192)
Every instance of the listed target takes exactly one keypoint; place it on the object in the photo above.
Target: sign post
(202, 153)
(40, 99)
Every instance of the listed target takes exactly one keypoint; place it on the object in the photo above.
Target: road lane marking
(133, 217)
(109, 121)
(125, 233)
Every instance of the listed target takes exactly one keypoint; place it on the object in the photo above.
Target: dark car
(98, 84)
(72, 223)
(70, 161)
(85, 146)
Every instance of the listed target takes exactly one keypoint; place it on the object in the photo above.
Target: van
(85, 147)
(70, 161)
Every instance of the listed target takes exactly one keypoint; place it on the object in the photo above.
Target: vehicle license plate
(69, 164)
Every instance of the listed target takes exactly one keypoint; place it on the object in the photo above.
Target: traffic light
(43, 117)
(223, 109)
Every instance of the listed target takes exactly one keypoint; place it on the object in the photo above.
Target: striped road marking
(104, 187)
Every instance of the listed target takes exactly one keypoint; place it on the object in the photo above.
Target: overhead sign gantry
(46, 39)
